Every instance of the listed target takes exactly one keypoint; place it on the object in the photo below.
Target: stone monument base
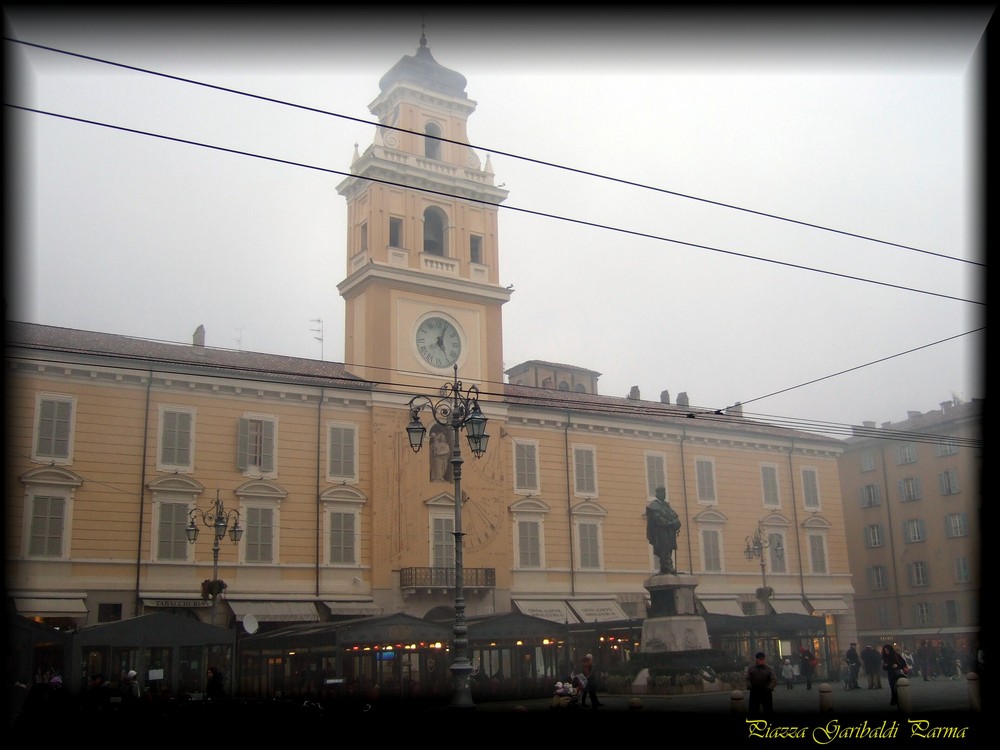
(674, 633)
(673, 623)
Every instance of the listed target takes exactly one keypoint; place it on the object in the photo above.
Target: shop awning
(51, 607)
(723, 607)
(789, 607)
(548, 609)
(828, 604)
(355, 609)
(597, 610)
(275, 611)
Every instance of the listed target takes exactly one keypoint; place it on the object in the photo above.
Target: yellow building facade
(115, 445)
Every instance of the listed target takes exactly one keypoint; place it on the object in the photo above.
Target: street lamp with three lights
(218, 519)
(455, 409)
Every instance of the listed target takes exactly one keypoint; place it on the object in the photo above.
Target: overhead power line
(571, 220)
(499, 152)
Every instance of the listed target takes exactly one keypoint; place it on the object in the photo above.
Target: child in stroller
(567, 694)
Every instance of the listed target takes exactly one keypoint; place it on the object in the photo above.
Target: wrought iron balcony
(444, 578)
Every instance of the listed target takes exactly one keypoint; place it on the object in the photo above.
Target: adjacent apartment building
(913, 505)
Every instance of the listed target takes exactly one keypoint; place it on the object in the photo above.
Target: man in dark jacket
(853, 666)
(761, 681)
(873, 666)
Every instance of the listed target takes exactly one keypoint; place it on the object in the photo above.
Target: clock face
(439, 342)
(482, 520)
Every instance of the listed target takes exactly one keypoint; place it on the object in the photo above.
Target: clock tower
(422, 290)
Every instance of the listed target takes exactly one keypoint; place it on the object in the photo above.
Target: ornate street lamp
(456, 410)
(218, 519)
(756, 545)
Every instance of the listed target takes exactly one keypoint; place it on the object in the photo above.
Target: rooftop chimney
(682, 399)
(634, 393)
(664, 397)
(199, 336)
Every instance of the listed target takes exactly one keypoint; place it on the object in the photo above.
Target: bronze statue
(662, 525)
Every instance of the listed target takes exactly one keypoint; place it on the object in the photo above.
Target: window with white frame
(46, 530)
(909, 489)
(258, 534)
(705, 474)
(529, 546)
(769, 485)
(171, 535)
(176, 439)
(871, 495)
(342, 451)
(810, 488)
(584, 472)
(922, 613)
(526, 466)
(342, 506)
(913, 530)
(817, 552)
(343, 537)
(776, 562)
(442, 541)
(529, 543)
(589, 536)
(53, 443)
(656, 473)
(711, 550)
(878, 578)
(906, 453)
(950, 612)
(868, 461)
(946, 447)
(949, 482)
(962, 572)
(956, 524)
(255, 444)
(873, 535)
(918, 573)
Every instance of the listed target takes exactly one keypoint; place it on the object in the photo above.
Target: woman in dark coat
(215, 689)
(895, 666)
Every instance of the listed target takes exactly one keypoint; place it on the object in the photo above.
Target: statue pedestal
(673, 623)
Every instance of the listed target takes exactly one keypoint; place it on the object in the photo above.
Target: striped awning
(266, 611)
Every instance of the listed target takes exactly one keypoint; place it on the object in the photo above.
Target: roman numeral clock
(438, 342)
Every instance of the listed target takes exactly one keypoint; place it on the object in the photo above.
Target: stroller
(567, 694)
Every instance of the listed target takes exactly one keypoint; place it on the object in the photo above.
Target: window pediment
(588, 508)
(52, 475)
(176, 483)
(261, 489)
(816, 522)
(342, 493)
(710, 516)
(529, 505)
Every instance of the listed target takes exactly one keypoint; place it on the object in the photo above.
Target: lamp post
(216, 518)
(457, 410)
(756, 544)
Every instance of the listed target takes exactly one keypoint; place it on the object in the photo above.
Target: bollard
(975, 698)
(825, 698)
(903, 695)
(736, 702)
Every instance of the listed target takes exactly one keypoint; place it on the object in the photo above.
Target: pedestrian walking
(788, 673)
(761, 681)
(590, 684)
(895, 667)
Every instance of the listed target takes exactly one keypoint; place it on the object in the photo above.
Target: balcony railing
(444, 578)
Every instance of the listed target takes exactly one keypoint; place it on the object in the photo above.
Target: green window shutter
(243, 445)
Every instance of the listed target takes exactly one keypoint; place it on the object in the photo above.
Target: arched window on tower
(434, 232)
(432, 146)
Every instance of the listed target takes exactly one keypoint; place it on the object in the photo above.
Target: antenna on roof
(320, 332)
